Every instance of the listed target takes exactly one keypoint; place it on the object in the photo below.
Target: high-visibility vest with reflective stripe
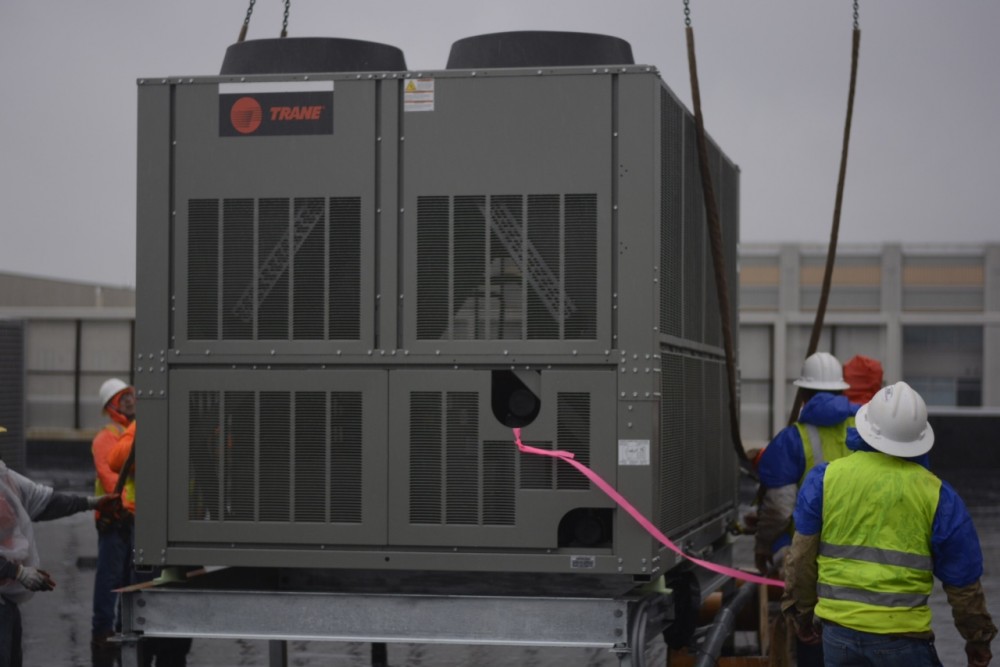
(823, 444)
(875, 564)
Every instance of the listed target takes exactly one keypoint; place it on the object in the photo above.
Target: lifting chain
(856, 14)
(687, 14)
(246, 22)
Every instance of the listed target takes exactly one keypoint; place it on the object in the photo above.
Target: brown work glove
(979, 654)
(807, 629)
(109, 503)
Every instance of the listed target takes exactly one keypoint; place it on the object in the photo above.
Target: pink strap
(569, 458)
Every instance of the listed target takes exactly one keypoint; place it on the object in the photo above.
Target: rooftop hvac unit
(353, 284)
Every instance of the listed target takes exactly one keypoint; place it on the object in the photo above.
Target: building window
(944, 364)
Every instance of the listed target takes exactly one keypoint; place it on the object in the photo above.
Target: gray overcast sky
(774, 74)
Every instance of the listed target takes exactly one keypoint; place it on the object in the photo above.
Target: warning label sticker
(633, 452)
(418, 95)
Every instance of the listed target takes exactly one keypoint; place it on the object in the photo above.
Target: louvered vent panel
(545, 234)
(581, 265)
(288, 269)
(237, 268)
(507, 267)
(499, 502)
(272, 280)
(432, 267)
(236, 477)
(693, 480)
(671, 440)
(205, 501)
(455, 479)
(537, 472)
(310, 456)
(462, 458)
(203, 269)
(274, 503)
(425, 456)
(573, 435)
(345, 268)
(239, 445)
(716, 456)
(694, 234)
(309, 270)
(671, 214)
(507, 252)
(345, 456)
(472, 284)
(713, 320)
(731, 234)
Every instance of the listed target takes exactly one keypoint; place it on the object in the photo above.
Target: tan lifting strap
(831, 253)
(718, 259)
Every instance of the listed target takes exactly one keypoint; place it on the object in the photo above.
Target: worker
(864, 377)
(114, 528)
(21, 502)
(168, 652)
(819, 435)
(872, 530)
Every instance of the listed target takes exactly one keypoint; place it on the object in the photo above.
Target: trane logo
(280, 113)
(314, 112)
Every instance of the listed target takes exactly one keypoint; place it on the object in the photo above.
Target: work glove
(34, 579)
(978, 653)
(807, 630)
(106, 504)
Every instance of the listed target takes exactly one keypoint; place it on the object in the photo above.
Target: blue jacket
(784, 461)
(958, 557)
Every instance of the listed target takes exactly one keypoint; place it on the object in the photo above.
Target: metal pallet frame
(621, 623)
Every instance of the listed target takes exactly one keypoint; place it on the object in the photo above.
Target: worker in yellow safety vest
(819, 435)
(872, 530)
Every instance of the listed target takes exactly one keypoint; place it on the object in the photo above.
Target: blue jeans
(844, 647)
(114, 549)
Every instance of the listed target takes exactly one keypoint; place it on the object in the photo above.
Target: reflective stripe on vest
(873, 555)
(908, 600)
(875, 562)
(816, 442)
(821, 444)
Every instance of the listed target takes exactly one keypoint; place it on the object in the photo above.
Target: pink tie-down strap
(569, 458)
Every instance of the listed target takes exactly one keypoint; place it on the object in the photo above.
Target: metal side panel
(269, 459)
(274, 234)
(456, 478)
(506, 216)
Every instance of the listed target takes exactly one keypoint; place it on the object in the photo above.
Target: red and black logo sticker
(271, 114)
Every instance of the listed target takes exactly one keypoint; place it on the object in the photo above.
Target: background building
(930, 314)
(59, 341)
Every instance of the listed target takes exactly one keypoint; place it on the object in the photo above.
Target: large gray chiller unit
(353, 284)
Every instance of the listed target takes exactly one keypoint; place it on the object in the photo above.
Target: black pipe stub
(302, 55)
(539, 48)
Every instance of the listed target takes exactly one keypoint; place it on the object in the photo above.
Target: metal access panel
(338, 325)
(460, 482)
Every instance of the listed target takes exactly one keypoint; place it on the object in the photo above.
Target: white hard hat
(109, 389)
(895, 422)
(822, 371)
